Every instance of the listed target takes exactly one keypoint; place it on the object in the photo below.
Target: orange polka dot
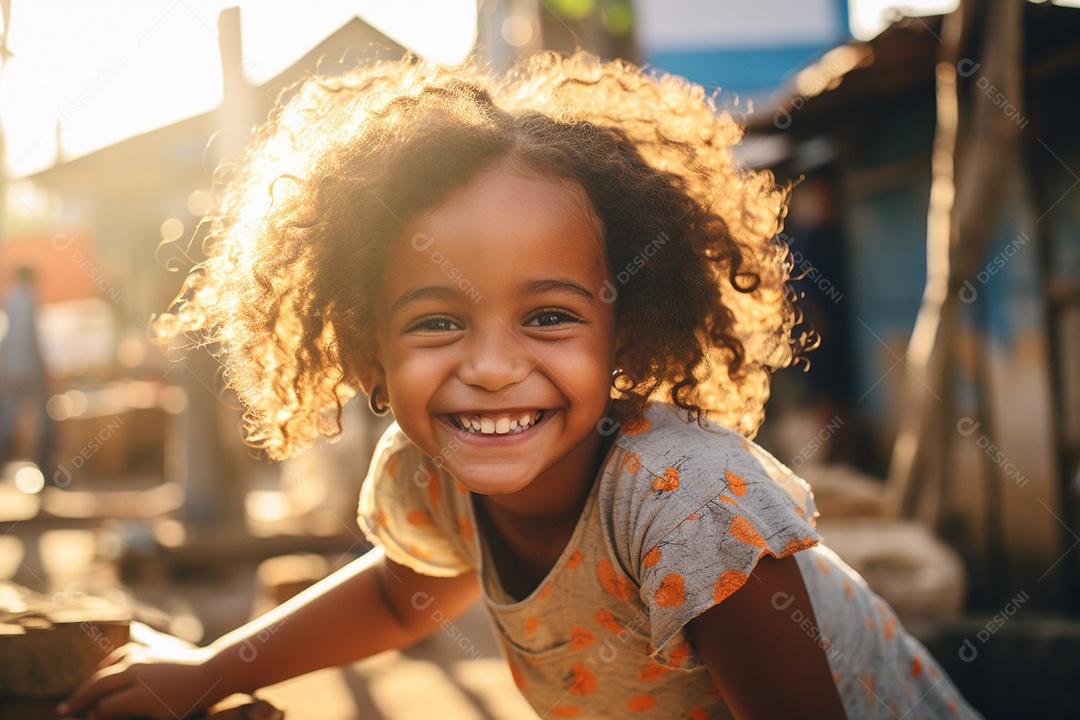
(651, 671)
(868, 686)
(418, 518)
(614, 583)
(894, 707)
(575, 559)
(951, 705)
(433, 491)
(462, 489)
(729, 582)
(464, 527)
(889, 625)
(795, 545)
(605, 619)
(636, 427)
(565, 711)
(515, 672)
(580, 638)
(916, 667)
(652, 557)
(836, 678)
(695, 516)
(713, 687)
(730, 501)
(633, 463)
(545, 592)
(741, 529)
(696, 713)
(668, 482)
(419, 552)
(531, 624)
(671, 592)
(392, 465)
(824, 566)
(849, 589)
(679, 653)
(736, 483)
(584, 681)
(870, 624)
(800, 512)
(641, 703)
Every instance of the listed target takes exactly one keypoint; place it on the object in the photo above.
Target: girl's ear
(370, 370)
(624, 343)
(371, 378)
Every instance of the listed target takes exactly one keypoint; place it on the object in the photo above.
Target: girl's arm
(767, 661)
(372, 604)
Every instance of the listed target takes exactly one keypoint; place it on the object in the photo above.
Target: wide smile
(514, 422)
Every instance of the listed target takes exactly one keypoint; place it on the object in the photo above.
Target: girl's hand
(160, 682)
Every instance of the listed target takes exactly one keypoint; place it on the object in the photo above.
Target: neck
(528, 531)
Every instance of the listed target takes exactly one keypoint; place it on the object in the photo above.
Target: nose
(495, 358)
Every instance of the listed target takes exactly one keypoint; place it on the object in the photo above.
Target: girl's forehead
(507, 224)
(514, 184)
(516, 200)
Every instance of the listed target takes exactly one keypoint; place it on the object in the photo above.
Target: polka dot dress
(676, 522)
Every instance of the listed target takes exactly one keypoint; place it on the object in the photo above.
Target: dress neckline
(495, 595)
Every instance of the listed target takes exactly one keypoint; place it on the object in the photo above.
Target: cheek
(586, 369)
(413, 377)
(407, 377)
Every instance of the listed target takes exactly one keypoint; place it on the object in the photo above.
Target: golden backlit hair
(299, 240)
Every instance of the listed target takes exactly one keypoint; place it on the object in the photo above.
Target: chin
(498, 485)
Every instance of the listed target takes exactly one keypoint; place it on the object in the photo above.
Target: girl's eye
(551, 318)
(435, 324)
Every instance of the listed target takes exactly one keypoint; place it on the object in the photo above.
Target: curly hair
(302, 231)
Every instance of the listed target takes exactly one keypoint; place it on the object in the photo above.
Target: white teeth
(498, 425)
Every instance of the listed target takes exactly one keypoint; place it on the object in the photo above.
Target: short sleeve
(709, 504)
(405, 508)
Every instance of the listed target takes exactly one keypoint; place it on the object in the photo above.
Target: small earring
(373, 402)
(621, 380)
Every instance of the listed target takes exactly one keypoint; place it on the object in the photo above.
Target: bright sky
(108, 70)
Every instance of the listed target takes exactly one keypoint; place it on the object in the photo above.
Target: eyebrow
(428, 292)
(536, 287)
(532, 287)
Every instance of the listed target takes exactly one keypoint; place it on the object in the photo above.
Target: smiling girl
(570, 297)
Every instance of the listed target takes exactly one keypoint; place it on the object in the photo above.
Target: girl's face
(494, 345)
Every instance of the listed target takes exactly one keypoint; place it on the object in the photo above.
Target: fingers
(130, 702)
(145, 635)
(115, 656)
(100, 684)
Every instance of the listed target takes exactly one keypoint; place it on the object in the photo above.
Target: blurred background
(934, 238)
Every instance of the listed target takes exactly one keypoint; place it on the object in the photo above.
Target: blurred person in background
(23, 379)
